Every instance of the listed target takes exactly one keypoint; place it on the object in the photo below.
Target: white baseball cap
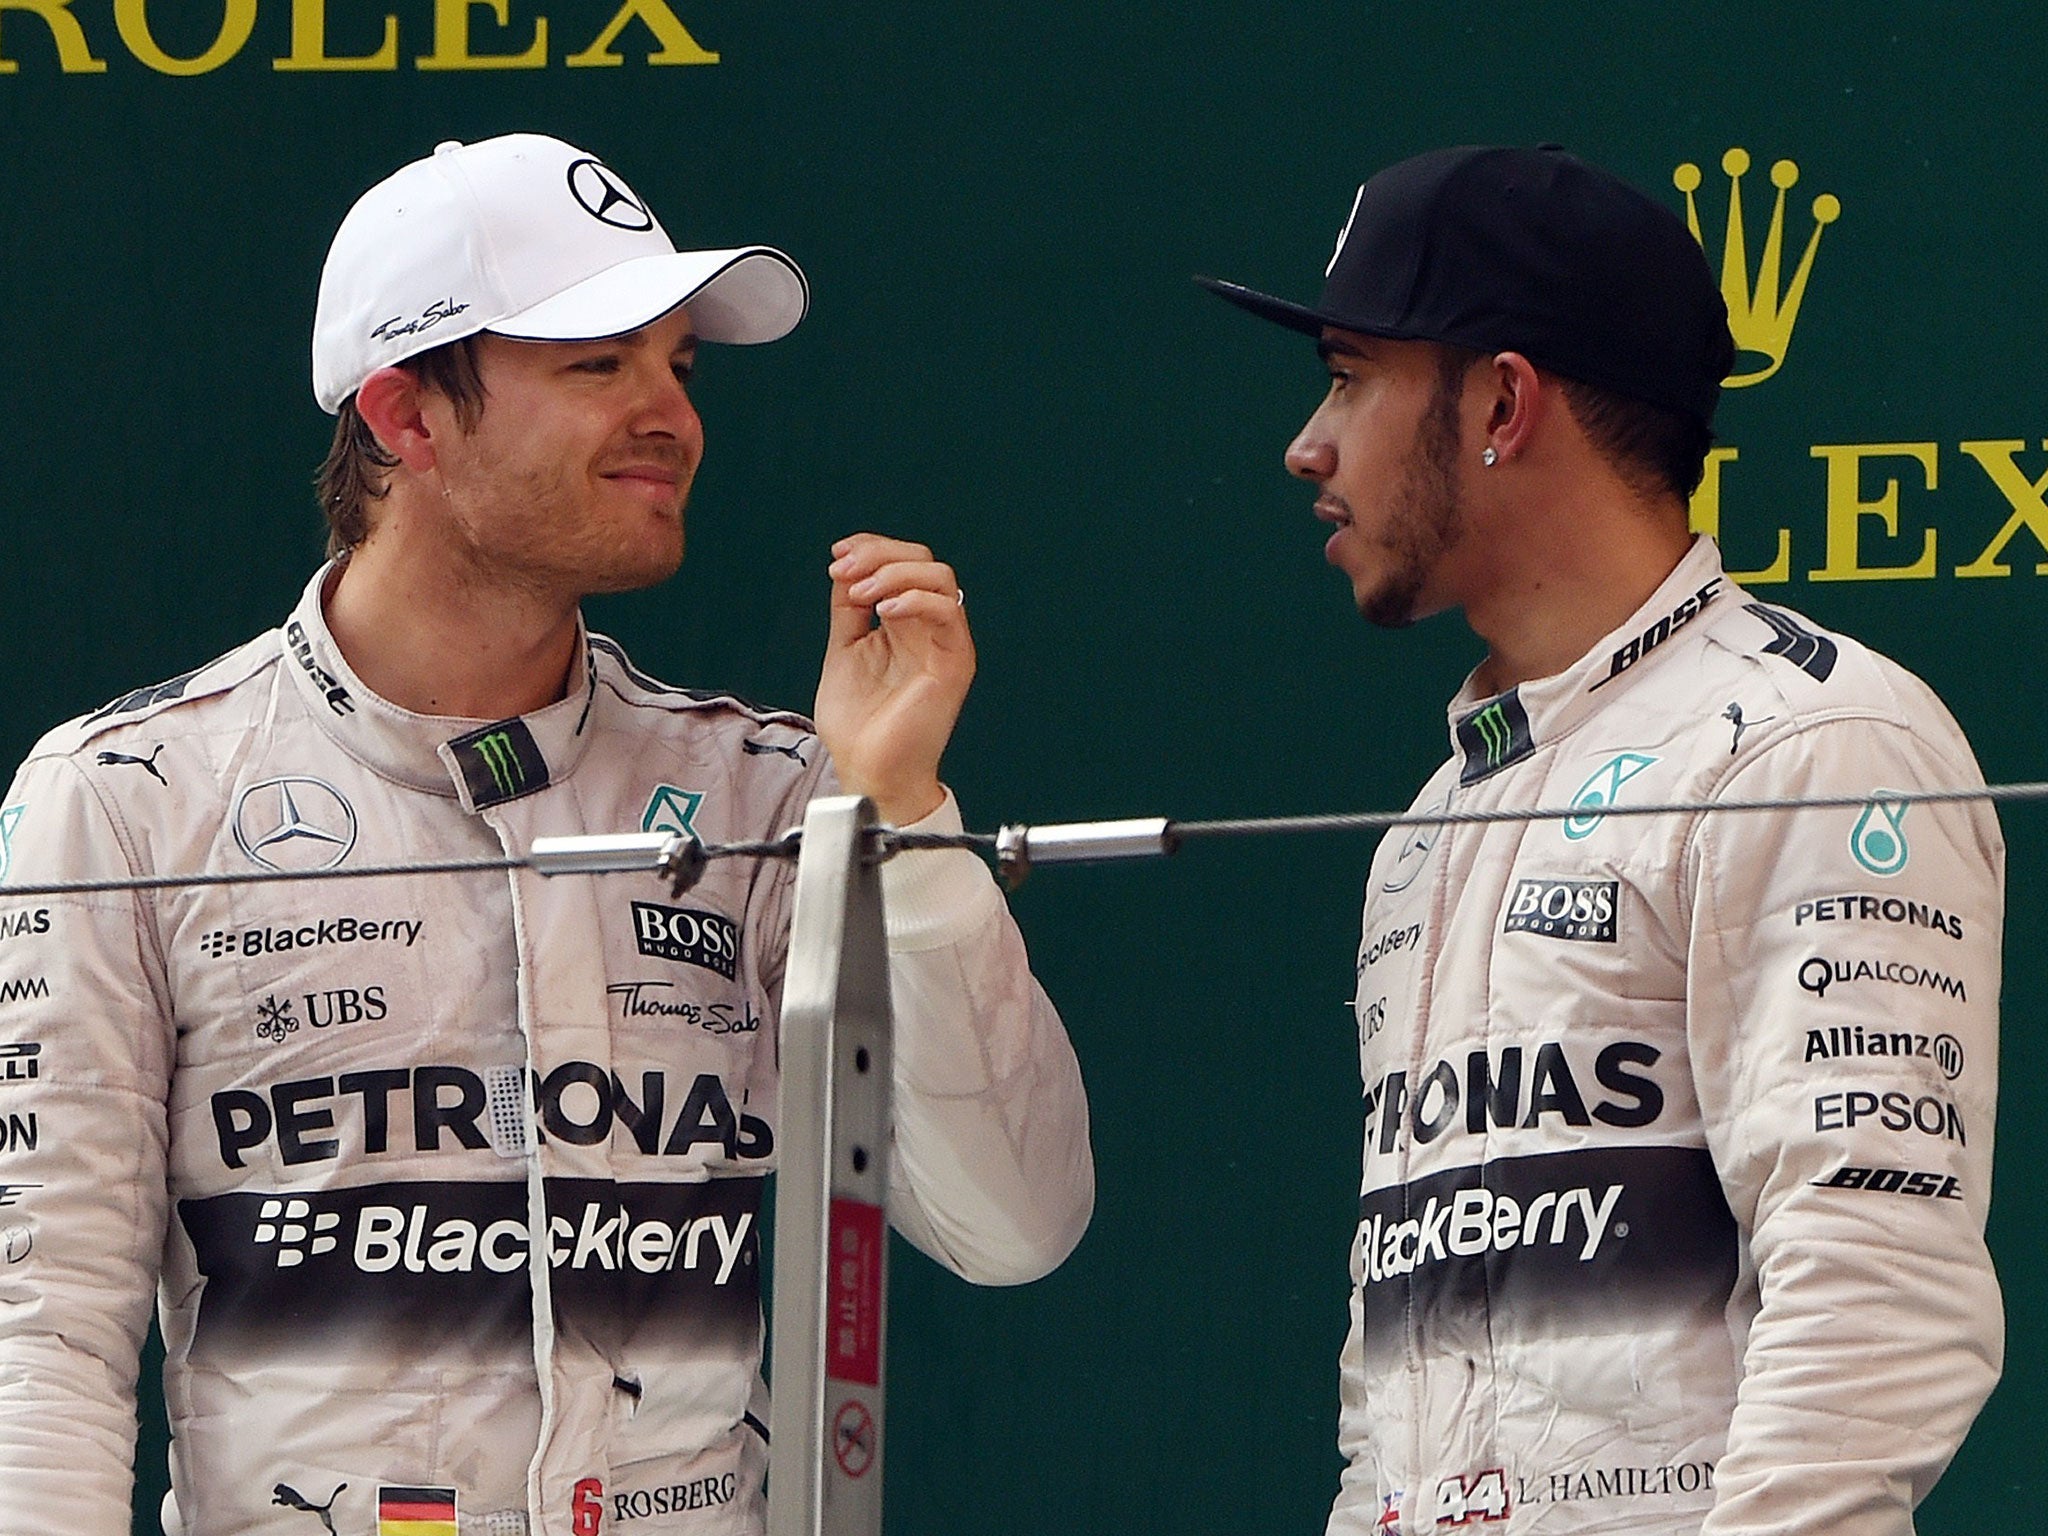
(530, 238)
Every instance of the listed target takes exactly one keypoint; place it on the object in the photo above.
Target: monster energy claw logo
(1493, 736)
(1492, 725)
(1601, 791)
(499, 755)
(1879, 838)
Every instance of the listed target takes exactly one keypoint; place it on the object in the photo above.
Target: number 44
(1479, 1496)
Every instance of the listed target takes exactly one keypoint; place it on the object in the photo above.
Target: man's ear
(390, 401)
(1520, 399)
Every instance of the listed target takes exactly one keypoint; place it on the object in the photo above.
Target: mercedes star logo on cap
(605, 198)
(294, 823)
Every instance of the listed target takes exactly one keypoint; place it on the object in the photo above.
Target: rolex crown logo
(1760, 315)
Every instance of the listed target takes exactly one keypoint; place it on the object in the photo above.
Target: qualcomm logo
(284, 1222)
(1601, 791)
(1760, 316)
(294, 824)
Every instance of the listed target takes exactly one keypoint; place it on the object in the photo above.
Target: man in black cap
(1678, 1127)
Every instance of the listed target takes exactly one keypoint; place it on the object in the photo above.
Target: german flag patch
(415, 1512)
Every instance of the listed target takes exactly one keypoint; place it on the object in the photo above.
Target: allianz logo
(604, 1236)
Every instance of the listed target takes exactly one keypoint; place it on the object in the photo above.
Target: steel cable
(1073, 842)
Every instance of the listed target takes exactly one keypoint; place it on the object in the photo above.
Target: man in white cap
(449, 1187)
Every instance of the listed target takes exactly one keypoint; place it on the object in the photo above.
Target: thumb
(851, 621)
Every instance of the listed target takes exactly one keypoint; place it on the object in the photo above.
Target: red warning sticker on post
(853, 1312)
(853, 1438)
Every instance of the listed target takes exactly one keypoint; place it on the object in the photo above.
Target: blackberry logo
(283, 1222)
(317, 934)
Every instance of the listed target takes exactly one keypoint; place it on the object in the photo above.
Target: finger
(850, 619)
(933, 616)
(905, 576)
(861, 554)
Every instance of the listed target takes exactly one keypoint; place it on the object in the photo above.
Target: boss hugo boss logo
(1564, 909)
(687, 936)
(599, 192)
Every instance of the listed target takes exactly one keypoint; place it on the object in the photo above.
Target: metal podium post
(831, 1232)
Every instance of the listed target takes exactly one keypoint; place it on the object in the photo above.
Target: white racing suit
(452, 1184)
(1678, 1128)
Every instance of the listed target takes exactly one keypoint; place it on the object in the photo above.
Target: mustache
(673, 457)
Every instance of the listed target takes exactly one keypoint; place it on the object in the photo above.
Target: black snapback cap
(1531, 251)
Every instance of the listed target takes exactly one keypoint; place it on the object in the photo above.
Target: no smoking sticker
(853, 1438)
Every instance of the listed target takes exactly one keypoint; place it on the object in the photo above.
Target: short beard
(1429, 519)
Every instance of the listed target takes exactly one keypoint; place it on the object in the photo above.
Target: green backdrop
(999, 206)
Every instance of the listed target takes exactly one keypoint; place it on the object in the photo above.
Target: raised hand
(897, 665)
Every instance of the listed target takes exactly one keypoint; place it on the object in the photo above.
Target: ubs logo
(599, 192)
(294, 824)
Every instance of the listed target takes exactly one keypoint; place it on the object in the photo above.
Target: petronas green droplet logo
(1879, 840)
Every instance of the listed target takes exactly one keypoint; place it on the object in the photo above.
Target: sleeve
(1843, 1011)
(992, 1173)
(84, 1074)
